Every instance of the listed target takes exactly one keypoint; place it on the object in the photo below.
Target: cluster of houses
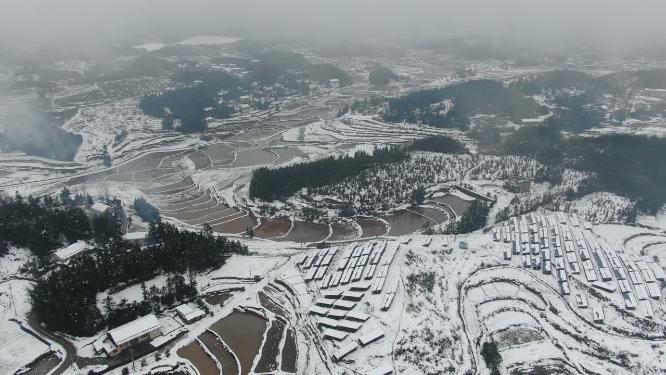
(343, 278)
(564, 246)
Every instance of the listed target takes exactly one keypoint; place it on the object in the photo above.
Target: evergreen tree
(106, 158)
(418, 196)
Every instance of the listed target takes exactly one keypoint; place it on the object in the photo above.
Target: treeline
(66, 299)
(272, 184)
(288, 68)
(628, 165)
(189, 104)
(43, 224)
(439, 143)
(555, 81)
(380, 75)
(578, 99)
(467, 98)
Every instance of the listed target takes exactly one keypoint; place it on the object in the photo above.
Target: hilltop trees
(193, 103)
(41, 224)
(439, 143)
(624, 164)
(66, 299)
(464, 99)
(271, 184)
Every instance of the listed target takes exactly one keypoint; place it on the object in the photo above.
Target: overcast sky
(38, 22)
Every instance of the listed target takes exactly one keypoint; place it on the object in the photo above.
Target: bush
(146, 211)
(491, 356)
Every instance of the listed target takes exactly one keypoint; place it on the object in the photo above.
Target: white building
(136, 238)
(189, 314)
(133, 333)
(69, 251)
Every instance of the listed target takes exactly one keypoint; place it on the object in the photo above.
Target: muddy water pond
(243, 332)
(306, 232)
(200, 159)
(343, 231)
(194, 353)
(252, 157)
(371, 227)
(223, 356)
(270, 228)
(288, 362)
(236, 226)
(437, 215)
(284, 154)
(220, 153)
(458, 205)
(406, 222)
(271, 348)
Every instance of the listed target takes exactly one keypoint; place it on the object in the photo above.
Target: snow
(209, 40)
(131, 293)
(462, 195)
(150, 47)
(18, 348)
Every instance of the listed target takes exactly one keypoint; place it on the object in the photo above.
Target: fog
(612, 23)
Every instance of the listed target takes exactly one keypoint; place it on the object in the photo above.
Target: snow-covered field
(377, 298)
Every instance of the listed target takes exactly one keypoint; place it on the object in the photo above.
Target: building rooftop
(99, 207)
(135, 236)
(71, 250)
(134, 329)
(189, 313)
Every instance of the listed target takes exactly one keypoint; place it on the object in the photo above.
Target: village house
(136, 238)
(129, 335)
(65, 253)
(188, 314)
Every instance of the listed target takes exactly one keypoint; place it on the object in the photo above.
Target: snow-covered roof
(134, 329)
(135, 236)
(189, 313)
(371, 336)
(99, 207)
(345, 350)
(358, 315)
(71, 250)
